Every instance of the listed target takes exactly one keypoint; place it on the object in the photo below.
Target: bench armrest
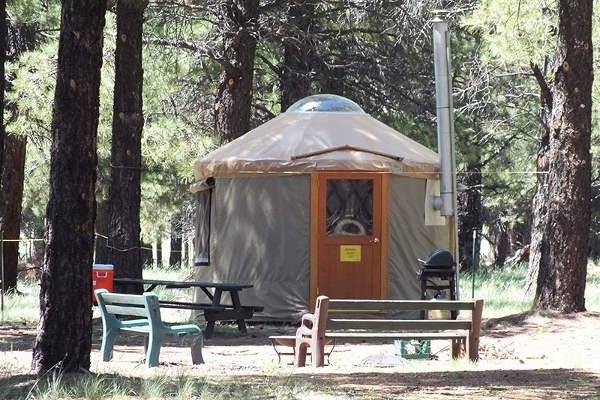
(134, 322)
(307, 323)
(307, 318)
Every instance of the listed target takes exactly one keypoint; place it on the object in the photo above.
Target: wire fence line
(27, 251)
(97, 235)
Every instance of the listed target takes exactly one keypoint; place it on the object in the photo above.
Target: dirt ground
(530, 356)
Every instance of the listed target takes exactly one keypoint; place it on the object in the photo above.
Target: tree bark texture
(11, 198)
(3, 34)
(16, 39)
(126, 151)
(502, 236)
(101, 228)
(561, 280)
(298, 54)
(64, 338)
(539, 249)
(470, 209)
(176, 246)
(233, 105)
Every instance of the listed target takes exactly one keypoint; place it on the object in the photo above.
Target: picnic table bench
(336, 319)
(214, 309)
(148, 324)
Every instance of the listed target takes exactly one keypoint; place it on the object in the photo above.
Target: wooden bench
(311, 332)
(148, 324)
(283, 343)
(336, 319)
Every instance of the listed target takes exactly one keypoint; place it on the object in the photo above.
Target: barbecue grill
(438, 273)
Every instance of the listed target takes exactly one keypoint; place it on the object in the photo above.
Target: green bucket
(413, 349)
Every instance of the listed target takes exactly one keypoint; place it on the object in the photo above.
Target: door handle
(375, 240)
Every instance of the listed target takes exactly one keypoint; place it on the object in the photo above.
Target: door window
(349, 207)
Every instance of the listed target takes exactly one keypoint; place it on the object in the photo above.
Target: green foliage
(499, 100)
(176, 130)
(43, 13)
(515, 33)
(31, 81)
(376, 53)
(107, 84)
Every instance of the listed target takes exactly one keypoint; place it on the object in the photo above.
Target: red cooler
(102, 278)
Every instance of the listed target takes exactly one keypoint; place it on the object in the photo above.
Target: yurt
(323, 199)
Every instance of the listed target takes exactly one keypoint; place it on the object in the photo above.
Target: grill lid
(439, 258)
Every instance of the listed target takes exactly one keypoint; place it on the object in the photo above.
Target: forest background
(238, 63)
(377, 53)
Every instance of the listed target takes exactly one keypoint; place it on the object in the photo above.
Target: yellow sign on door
(350, 253)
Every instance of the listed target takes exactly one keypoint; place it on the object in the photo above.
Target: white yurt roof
(321, 132)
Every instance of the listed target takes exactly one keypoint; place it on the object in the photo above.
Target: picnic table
(214, 309)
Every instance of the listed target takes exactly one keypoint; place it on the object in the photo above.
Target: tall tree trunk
(561, 280)
(539, 246)
(503, 243)
(3, 34)
(19, 38)
(470, 211)
(176, 243)
(331, 78)
(11, 198)
(64, 339)
(101, 226)
(126, 151)
(233, 105)
(297, 53)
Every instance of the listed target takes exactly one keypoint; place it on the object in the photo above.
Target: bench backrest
(352, 305)
(320, 315)
(144, 306)
(352, 314)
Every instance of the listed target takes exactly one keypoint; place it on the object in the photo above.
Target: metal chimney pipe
(445, 114)
(445, 131)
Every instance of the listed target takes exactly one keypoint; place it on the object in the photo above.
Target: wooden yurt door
(349, 226)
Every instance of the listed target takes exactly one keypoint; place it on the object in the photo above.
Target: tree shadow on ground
(523, 323)
(514, 384)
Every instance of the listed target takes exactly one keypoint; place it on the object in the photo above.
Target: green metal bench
(149, 324)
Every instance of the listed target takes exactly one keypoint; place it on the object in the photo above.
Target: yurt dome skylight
(325, 103)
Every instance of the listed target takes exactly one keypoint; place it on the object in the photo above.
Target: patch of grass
(22, 307)
(71, 386)
(173, 273)
(592, 288)
(504, 289)
(154, 385)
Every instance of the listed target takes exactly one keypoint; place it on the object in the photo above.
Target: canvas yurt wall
(260, 235)
(261, 203)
